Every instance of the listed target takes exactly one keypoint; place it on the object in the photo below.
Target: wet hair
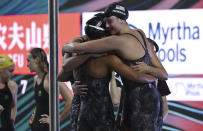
(43, 63)
(154, 44)
(116, 9)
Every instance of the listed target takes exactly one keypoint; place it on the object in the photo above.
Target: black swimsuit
(6, 100)
(42, 106)
(96, 108)
(143, 106)
(75, 109)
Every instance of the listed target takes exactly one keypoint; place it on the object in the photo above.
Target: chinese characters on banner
(20, 33)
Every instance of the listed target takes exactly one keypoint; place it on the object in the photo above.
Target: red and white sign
(20, 33)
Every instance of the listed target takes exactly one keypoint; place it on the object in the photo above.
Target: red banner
(20, 33)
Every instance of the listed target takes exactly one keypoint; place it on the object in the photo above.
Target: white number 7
(24, 83)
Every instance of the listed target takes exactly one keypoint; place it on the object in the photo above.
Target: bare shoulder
(114, 39)
(12, 86)
(140, 30)
(46, 79)
(143, 33)
(150, 47)
(46, 82)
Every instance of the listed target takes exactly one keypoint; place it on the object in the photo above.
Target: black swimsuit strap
(44, 77)
(145, 48)
(42, 82)
(145, 44)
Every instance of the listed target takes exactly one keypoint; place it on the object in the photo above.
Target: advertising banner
(178, 34)
(21, 33)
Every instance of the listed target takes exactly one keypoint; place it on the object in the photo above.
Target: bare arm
(64, 76)
(69, 64)
(76, 41)
(143, 67)
(165, 107)
(67, 96)
(157, 68)
(115, 91)
(118, 66)
(95, 46)
(14, 89)
(34, 110)
(73, 62)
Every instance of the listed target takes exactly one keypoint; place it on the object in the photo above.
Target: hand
(141, 67)
(80, 89)
(45, 119)
(1, 108)
(62, 76)
(67, 48)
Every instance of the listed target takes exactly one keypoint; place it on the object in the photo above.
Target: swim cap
(95, 27)
(115, 9)
(5, 61)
